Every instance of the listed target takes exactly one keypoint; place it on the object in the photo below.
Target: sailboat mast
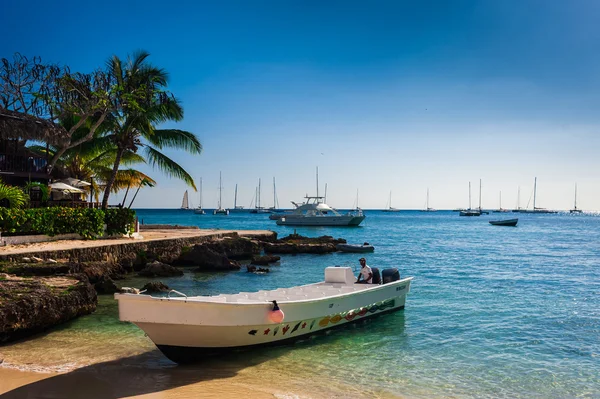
(325, 196)
(469, 195)
(357, 199)
(200, 193)
(480, 194)
(519, 197)
(258, 193)
(235, 197)
(317, 181)
(274, 194)
(220, 189)
(427, 198)
(500, 202)
(575, 196)
(534, 191)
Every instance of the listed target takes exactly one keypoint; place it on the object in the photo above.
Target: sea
(493, 312)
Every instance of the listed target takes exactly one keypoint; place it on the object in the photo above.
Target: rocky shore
(39, 290)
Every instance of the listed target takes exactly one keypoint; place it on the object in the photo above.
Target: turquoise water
(493, 311)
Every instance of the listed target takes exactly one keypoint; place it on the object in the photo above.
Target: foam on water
(493, 311)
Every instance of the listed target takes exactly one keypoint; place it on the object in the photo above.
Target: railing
(66, 204)
(22, 163)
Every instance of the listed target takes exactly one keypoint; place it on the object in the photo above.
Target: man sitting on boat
(365, 272)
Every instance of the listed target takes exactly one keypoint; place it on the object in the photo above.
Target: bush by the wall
(89, 223)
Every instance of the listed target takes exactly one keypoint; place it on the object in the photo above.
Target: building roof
(18, 125)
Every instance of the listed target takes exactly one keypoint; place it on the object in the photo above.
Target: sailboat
(575, 209)
(500, 210)
(518, 208)
(275, 207)
(535, 208)
(236, 208)
(389, 207)
(470, 212)
(427, 208)
(220, 210)
(199, 210)
(258, 208)
(185, 204)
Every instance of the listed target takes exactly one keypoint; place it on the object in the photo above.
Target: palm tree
(142, 104)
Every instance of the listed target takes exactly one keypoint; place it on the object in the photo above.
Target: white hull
(184, 328)
(301, 220)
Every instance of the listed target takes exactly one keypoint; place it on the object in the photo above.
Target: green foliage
(89, 223)
(119, 221)
(15, 196)
(42, 187)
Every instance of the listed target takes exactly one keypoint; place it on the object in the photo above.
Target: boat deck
(300, 293)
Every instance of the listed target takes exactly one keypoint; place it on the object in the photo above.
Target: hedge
(89, 223)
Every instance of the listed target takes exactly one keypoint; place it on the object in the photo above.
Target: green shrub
(89, 223)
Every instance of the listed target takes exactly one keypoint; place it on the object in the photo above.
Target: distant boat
(507, 222)
(535, 208)
(427, 208)
(469, 211)
(275, 207)
(575, 209)
(185, 204)
(481, 211)
(518, 208)
(220, 210)
(366, 247)
(500, 210)
(389, 207)
(199, 210)
(258, 208)
(236, 208)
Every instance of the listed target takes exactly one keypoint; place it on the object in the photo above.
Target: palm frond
(168, 166)
(174, 138)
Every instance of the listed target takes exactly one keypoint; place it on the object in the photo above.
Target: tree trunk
(135, 195)
(112, 178)
(126, 192)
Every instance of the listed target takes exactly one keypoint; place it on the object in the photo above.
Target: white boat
(427, 208)
(237, 208)
(389, 207)
(500, 209)
(258, 208)
(535, 208)
(187, 329)
(315, 212)
(185, 204)
(220, 210)
(199, 210)
(575, 209)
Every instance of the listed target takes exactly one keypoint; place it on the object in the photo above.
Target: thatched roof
(17, 125)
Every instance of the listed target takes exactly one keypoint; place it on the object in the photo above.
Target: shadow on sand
(141, 374)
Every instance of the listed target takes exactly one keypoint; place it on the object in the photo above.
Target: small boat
(220, 210)
(389, 207)
(427, 208)
(469, 211)
(575, 209)
(199, 210)
(187, 329)
(185, 204)
(366, 247)
(506, 222)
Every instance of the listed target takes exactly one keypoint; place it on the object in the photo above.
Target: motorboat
(187, 329)
(315, 212)
(506, 222)
(366, 247)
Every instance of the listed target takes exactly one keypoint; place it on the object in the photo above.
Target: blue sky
(382, 95)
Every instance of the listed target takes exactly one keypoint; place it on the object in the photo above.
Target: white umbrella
(64, 188)
(71, 181)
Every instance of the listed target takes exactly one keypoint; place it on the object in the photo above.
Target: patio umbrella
(59, 186)
(71, 181)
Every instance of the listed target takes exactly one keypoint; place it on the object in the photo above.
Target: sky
(381, 96)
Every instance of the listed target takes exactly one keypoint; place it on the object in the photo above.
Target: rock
(265, 260)
(51, 261)
(207, 259)
(35, 269)
(236, 248)
(155, 286)
(297, 244)
(36, 259)
(254, 269)
(26, 260)
(95, 271)
(106, 286)
(159, 269)
(32, 305)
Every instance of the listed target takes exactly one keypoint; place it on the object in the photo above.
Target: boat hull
(508, 222)
(186, 331)
(355, 248)
(344, 220)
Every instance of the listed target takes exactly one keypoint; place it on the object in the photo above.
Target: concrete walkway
(148, 236)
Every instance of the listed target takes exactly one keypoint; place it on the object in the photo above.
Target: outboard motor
(376, 276)
(389, 275)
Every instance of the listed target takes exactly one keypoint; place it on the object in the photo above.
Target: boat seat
(339, 275)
